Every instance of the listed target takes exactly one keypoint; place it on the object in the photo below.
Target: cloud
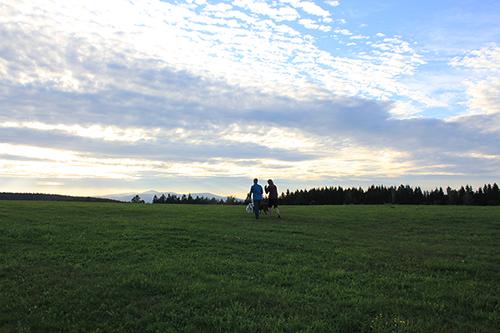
(277, 136)
(46, 183)
(344, 32)
(61, 164)
(216, 41)
(311, 24)
(284, 13)
(333, 3)
(484, 95)
(486, 58)
(106, 133)
(357, 37)
(308, 7)
(197, 89)
(482, 67)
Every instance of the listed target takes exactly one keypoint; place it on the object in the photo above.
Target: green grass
(77, 267)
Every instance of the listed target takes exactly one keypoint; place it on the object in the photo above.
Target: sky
(100, 97)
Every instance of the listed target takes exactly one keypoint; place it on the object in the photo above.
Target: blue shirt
(256, 191)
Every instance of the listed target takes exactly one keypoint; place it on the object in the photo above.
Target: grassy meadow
(92, 267)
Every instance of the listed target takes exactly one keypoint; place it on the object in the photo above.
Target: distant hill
(50, 197)
(148, 195)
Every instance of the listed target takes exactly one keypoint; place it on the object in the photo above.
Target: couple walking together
(257, 194)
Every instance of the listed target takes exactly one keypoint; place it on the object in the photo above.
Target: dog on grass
(263, 208)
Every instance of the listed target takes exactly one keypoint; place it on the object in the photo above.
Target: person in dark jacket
(272, 191)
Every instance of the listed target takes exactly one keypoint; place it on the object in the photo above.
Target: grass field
(141, 268)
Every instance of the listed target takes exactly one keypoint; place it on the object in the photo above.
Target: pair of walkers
(257, 194)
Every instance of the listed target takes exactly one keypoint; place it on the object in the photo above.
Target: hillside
(50, 197)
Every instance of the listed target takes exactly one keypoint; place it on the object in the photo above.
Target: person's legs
(256, 208)
(275, 205)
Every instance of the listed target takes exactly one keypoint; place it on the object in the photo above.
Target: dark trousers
(256, 208)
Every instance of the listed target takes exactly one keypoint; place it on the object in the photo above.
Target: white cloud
(313, 9)
(486, 58)
(285, 138)
(333, 3)
(261, 7)
(344, 32)
(311, 24)
(60, 164)
(405, 110)
(63, 164)
(50, 184)
(483, 78)
(219, 42)
(308, 7)
(357, 37)
(484, 95)
(106, 133)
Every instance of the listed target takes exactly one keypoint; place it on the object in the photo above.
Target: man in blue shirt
(256, 193)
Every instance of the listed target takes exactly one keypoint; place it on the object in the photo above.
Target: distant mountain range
(148, 195)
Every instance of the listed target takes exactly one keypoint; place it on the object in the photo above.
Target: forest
(49, 197)
(403, 194)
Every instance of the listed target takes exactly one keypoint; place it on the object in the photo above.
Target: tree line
(403, 194)
(190, 200)
(49, 197)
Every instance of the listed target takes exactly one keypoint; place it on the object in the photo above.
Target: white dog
(249, 208)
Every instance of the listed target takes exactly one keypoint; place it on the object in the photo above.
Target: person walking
(272, 190)
(256, 193)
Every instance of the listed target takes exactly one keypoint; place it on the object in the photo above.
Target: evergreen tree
(162, 199)
(137, 199)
